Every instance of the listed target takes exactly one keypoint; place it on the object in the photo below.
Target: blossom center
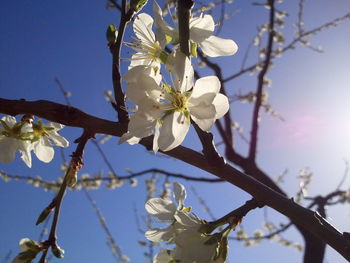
(179, 101)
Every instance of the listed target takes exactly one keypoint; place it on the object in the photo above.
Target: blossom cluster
(166, 108)
(26, 136)
(192, 237)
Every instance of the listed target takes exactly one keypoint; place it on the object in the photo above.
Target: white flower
(149, 51)
(44, 136)
(186, 231)
(201, 33)
(166, 110)
(12, 139)
(25, 136)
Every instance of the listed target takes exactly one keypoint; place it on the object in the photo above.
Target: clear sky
(41, 40)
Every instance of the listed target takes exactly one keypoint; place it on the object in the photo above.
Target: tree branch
(299, 215)
(115, 48)
(261, 77)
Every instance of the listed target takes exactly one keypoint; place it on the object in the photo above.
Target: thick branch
(299, 215)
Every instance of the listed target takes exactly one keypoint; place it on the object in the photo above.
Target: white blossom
(25, 136)
(45, 136)
(201, 33)
(186, 231)
(167, 110)
(149, 51)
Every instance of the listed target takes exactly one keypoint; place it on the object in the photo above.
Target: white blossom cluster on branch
(26, 136)
(161, 84)
(192, 236)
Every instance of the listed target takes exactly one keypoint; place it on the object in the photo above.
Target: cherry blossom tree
(159, 94)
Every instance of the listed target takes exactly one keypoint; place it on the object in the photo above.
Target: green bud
(111, 33)
(57, 251)
(72, 178)
(137, 5)
(44, 214)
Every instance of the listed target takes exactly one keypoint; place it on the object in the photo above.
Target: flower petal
(201, 28)
(10, 120)
(188, 220)
(204, 115)
(161, 24)
(44, 150)
(216, 46)
(158, 234)
(221, 105)
(58, 139)
(209, 84)
(8, 148)
(130, 138)
(139, 58)
(141, 84)
(143, 28)
(173, 131)
(161, 208)
(26, 156)
(179, 194)
(180, 66)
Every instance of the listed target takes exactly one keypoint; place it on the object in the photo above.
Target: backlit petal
(173, 131)
(221, 105)
(44, 150)
(216, 46)
(161, 208)
(209, 84)
(201, 28)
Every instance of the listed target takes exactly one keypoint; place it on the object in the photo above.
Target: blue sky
(41, 40)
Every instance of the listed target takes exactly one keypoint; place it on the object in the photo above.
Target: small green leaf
(111, 33)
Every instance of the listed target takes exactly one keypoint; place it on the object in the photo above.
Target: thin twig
(115, 49)
(116, 251)
(76, 160)
(292, 44)
(261, 77)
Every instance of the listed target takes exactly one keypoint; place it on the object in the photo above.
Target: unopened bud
(137, 5)
(57, 251)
